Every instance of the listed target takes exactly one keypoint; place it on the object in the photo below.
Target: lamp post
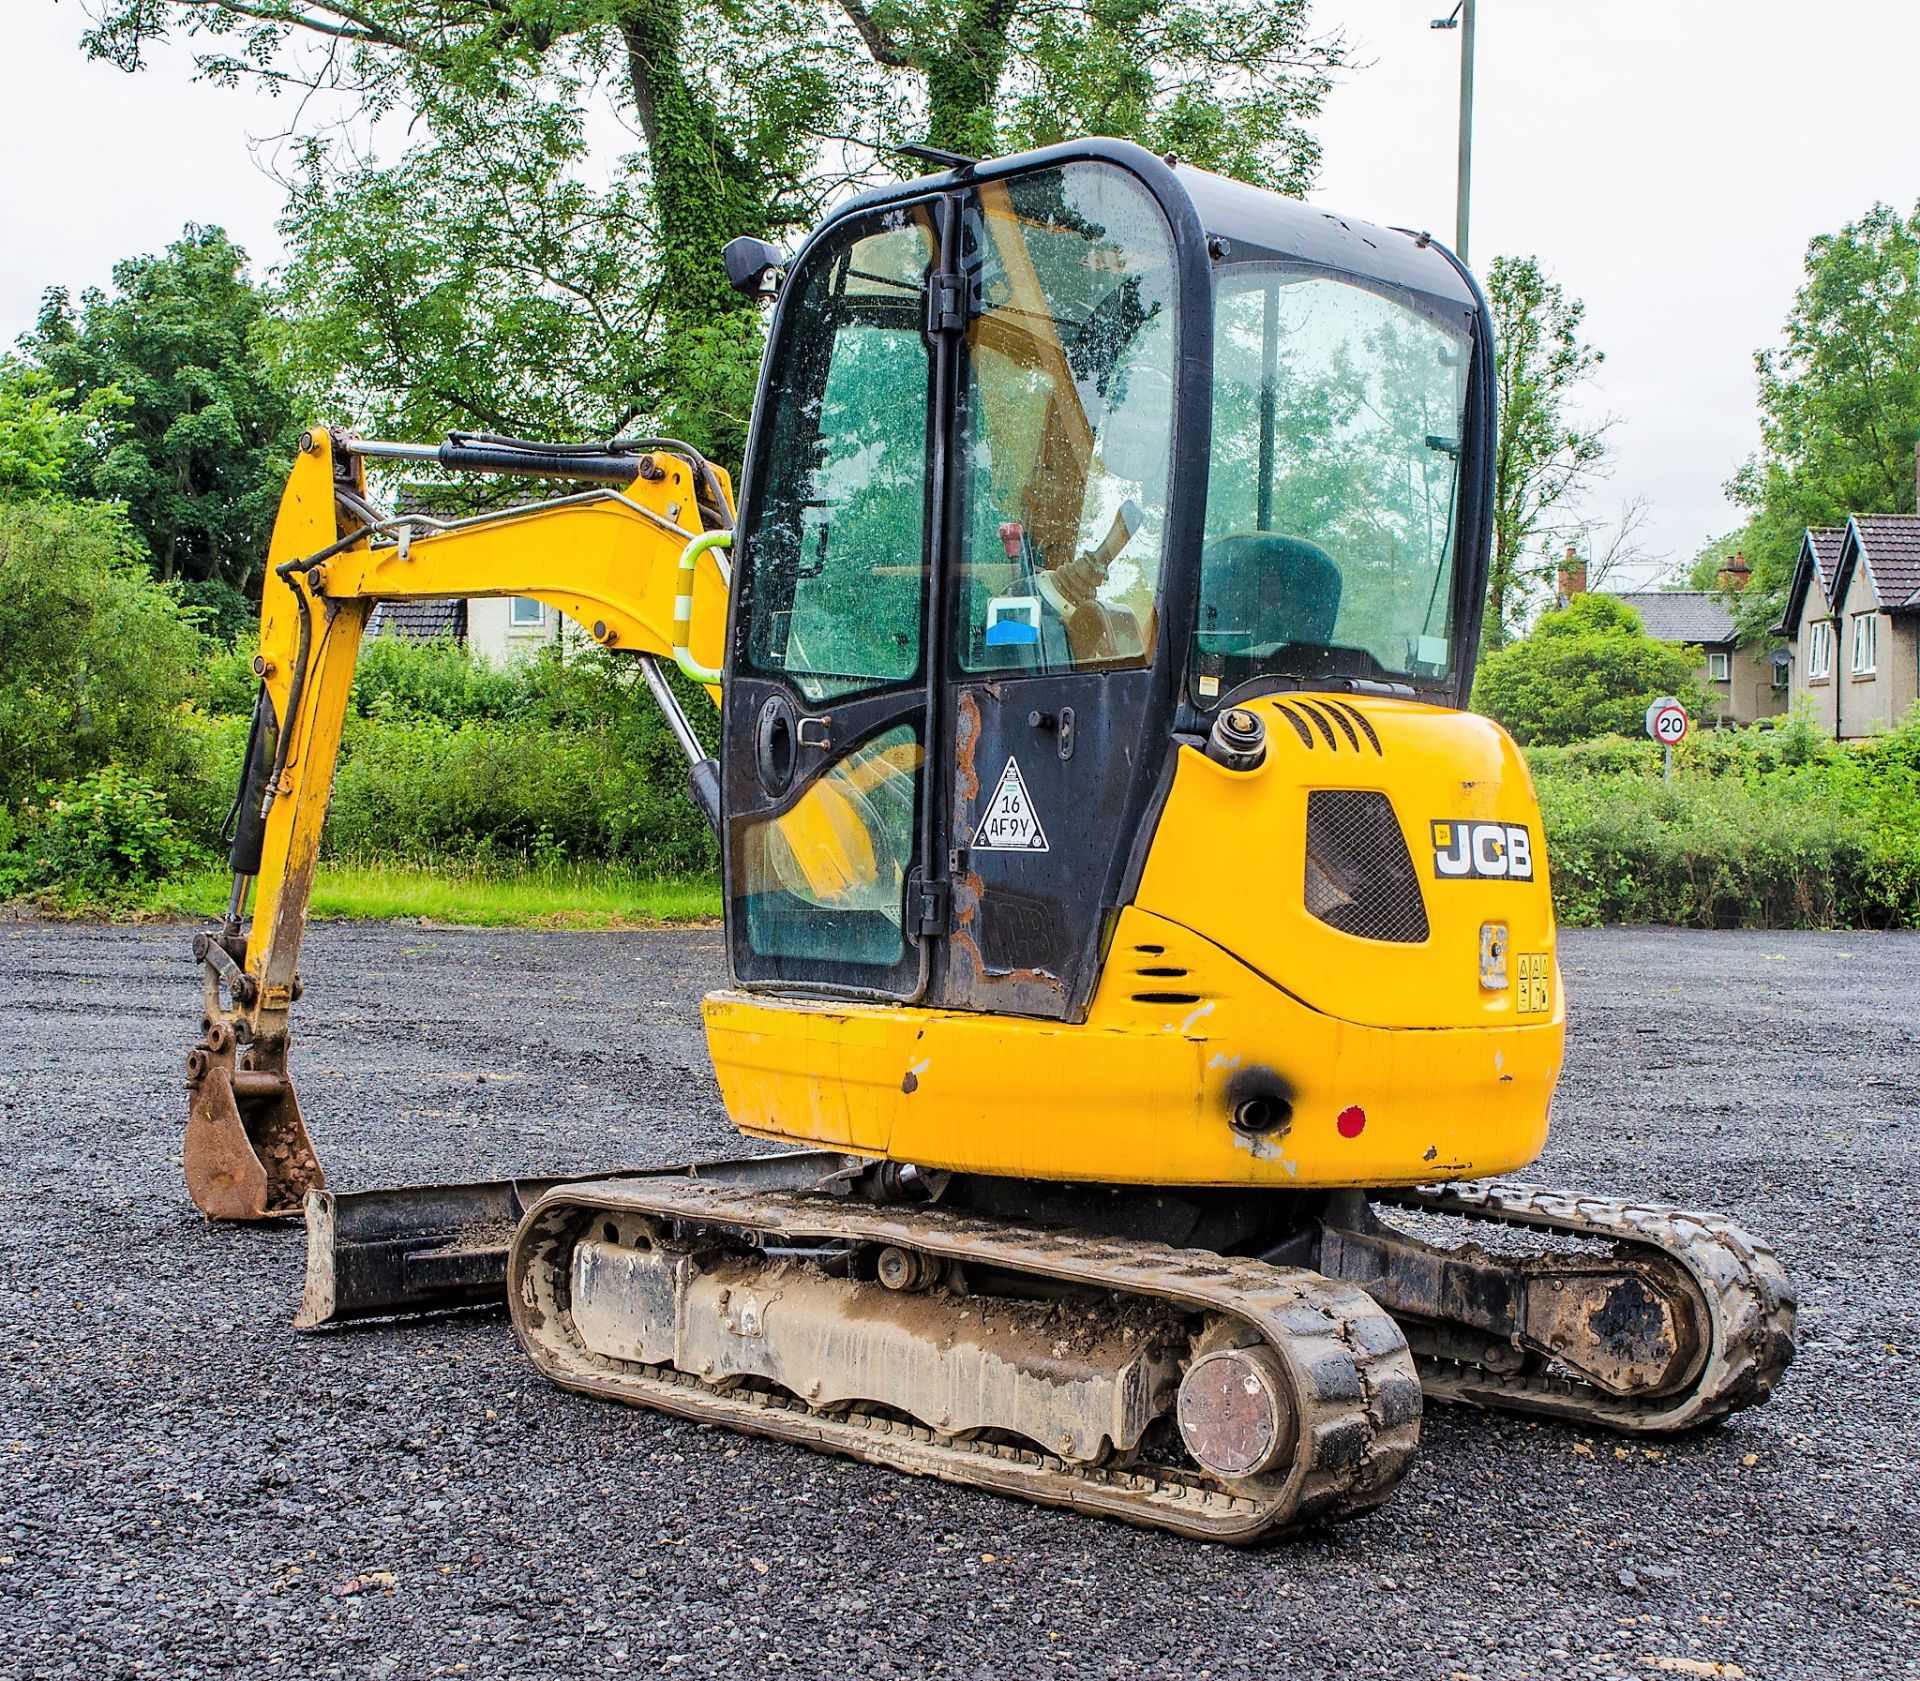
(1461, 18)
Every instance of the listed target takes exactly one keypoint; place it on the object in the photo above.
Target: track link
(1354, 1387)
(1749, 1303)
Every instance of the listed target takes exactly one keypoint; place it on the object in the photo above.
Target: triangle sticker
(1010, 823)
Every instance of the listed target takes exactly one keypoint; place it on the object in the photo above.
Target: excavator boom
(637, 566)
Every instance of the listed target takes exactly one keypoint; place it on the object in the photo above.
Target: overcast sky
(1667, 162)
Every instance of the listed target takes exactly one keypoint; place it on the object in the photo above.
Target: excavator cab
(1056, 460)
(1107, 583)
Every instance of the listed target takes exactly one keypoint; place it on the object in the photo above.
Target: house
(1852, 619)
(497, 629)
(1746, 683)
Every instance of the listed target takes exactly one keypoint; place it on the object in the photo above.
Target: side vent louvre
(1366, 729)
(1359, 873)
(1328, 722)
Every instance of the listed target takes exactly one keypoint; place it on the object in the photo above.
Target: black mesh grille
(1359, 873)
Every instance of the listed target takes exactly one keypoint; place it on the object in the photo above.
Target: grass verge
(553, 896)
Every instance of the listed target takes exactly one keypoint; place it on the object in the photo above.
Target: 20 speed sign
(1667, 721)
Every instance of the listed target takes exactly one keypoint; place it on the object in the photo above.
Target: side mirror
(753, 266)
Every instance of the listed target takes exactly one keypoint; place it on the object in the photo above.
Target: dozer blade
(1220, 1398)
(247, 1155)
(411, 1249)
(1681, 1319)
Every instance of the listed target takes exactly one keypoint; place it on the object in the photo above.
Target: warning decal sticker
(1010, 824)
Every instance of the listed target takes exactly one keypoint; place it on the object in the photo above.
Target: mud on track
(187, 1488)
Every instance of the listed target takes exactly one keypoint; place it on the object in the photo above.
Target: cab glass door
(825, 710)
(1064, 455)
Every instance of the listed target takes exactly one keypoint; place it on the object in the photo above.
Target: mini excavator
(1144, 959)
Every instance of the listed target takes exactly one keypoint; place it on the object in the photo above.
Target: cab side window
(839, 555)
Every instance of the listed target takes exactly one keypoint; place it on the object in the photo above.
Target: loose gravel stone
(187, 1488)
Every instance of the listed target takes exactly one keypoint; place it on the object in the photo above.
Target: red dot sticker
(1352, 1121)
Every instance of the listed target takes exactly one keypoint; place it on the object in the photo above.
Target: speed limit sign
(1667, 721)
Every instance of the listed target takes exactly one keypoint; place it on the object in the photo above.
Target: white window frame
(520, 618)
(1866, 644)
(1819, 650)
(1719, 666)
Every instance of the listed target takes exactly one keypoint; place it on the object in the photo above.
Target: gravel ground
(187, 1487)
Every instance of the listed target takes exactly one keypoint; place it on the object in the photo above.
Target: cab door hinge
(946, 303)
(928, 904)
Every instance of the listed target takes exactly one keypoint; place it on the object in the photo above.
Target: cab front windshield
(1332, 502)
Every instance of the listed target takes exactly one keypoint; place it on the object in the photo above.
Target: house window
(1866, 643)
(1819, 651)
(523, 613)
(1717, 668)
(1780, 672)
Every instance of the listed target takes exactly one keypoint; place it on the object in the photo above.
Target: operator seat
(1261, 591)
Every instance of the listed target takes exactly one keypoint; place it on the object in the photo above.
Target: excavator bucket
(424, 1248)
(247, 1154)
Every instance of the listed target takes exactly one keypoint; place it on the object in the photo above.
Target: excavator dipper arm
(636, 564)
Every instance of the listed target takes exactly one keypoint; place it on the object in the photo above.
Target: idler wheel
(1234, 1414)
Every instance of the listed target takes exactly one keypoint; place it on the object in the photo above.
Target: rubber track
(1749, 1301)
(1355, 1384)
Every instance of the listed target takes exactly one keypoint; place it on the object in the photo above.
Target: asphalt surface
(187, 1487)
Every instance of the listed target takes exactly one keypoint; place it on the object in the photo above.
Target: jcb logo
(1489, 851)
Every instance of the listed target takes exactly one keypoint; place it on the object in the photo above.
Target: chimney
(1572, 577)
(1736, 574)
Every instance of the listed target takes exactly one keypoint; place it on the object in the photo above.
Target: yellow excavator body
(1197, 1062)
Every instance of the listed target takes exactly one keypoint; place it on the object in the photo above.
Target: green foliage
(395, 678)
(1839, 404)
(483, 280)
(1759, 828)
(425, 791)
(43, 429)
(95, 657)
(198, 452)
(450, 762)
(557, 896)
(1226, 89)
(1545, 455)
(108, 831)
(479, 283)
(1587, 669)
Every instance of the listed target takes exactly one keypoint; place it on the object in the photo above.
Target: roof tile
(1683, 615)
(1827, 540)
(1891, 545)
(420, 621)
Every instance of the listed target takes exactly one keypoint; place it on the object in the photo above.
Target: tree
(477, 284)
(1586, 669)
(1226, 89)
(198, 451)
(94, 655)
(42, 428)
(1839, 401)
(1545, 455)
(747, 116)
